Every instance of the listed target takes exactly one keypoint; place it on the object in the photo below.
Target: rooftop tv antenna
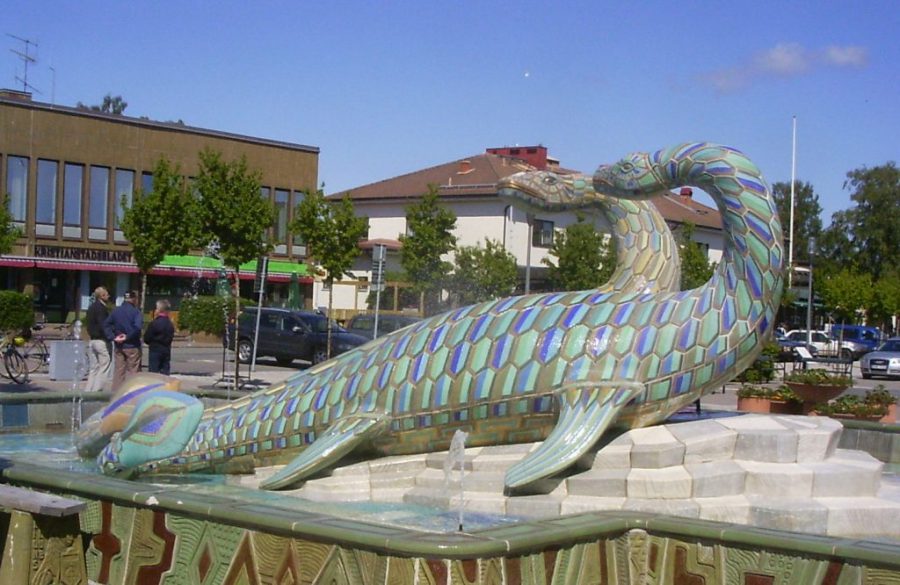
(26, 59)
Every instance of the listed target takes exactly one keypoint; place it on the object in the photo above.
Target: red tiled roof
(477, 176)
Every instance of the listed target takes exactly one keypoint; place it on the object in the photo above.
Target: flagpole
(793, 180)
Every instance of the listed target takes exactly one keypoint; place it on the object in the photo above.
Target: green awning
(279, 270)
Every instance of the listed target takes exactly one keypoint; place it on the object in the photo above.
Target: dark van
(868, 337)
(364, 324)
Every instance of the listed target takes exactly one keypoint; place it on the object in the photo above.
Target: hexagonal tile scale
(782, 472)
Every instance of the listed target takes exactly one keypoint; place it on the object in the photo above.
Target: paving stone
(837, 480)
(599, 483)
(665, 484)
(786, 513)
(777, 480)
(704, 440)
(773, 445)
(861, 517)
(734, 509)
(716, 478)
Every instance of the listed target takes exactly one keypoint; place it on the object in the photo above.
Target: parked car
(364, 324)
(864, 335)
(788, 348)
(884, 361)
(287, 335)
(828, 347)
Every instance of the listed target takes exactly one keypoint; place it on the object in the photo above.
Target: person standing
(99, 346)
(158, 337)
(123, 328)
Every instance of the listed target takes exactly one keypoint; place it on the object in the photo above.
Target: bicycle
(13, 360)
(35, 350)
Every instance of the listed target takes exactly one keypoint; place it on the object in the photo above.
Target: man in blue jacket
(123, 329)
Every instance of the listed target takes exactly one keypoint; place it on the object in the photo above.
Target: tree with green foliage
(585, 258)
(845, 293)
(332, 232)
(885, 303)
(482, 274)
(9, 233)
(111, 105)
(867, 236)
(16, 311)
(807, 216)
(429, 236)
(161, 221)
(696, 268)
(231, 211)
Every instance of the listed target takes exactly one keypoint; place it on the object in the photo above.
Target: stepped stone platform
(782, 472)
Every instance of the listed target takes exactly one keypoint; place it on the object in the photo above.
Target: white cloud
(784, 60)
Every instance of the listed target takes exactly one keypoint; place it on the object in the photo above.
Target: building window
(99, 198)
(124, 190)
(45, 211)
(298, 197)
(542, 233)
(17, 185)
(73, 178)
(281, 215)
(146, 182)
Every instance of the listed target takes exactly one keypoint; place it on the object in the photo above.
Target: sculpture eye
(549, 180)
(627, 167)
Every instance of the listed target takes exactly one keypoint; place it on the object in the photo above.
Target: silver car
(884, 361)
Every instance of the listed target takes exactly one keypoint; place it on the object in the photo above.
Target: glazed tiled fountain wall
(131, 533)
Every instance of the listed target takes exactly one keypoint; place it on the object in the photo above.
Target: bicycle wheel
(15, 366)
(35, 353)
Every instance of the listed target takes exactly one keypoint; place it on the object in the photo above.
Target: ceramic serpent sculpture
(562, 367)
(646, 254)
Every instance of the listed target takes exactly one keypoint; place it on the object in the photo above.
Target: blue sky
(385, 88)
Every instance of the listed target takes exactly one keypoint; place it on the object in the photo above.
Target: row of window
(61, 187)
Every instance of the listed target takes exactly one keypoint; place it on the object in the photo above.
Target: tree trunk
(328, 316)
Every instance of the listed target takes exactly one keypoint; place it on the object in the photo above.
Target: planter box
(766, 405)
(815, 393)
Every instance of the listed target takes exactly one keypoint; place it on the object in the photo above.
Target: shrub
(206, 314)
(780, 394)
(818, 377)
(763, 369)
(16, 311)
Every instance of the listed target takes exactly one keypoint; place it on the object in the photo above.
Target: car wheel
(319, 356)
(245, 350)
(284, 361)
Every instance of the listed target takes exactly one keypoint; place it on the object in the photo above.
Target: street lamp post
(809, 294)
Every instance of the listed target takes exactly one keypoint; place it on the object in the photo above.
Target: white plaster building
(468, 187)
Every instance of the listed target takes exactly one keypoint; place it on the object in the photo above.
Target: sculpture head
(547, 190)
(633, 177)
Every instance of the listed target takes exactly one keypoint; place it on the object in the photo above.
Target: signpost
(259, 286)
(378, 255)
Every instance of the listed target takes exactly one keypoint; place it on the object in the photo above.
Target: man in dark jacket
(123, 328)
(158, 337)
(99, 347)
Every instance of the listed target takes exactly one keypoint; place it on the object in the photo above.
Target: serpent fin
(586, 411)
(339, 439)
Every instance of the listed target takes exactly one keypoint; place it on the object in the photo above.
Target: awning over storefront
(181, 266)
(205, 267)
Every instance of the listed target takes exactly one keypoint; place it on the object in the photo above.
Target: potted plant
(781, 400)
(879, 396)
(817, 385)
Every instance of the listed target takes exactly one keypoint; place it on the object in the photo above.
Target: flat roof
(147, 123)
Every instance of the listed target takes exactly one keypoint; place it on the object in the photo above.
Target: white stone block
(613, 457)
(534, 506)
(859, 459)
(836, 480)
(581, 504)
(599, 483)
(684, 508)
(785, 513)
(657, 455)
(716, 478)
(777, 446)
(705, 440)
(777, 480)
(662, 484)
(752, 421)
(734, 509)
(862, 517)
